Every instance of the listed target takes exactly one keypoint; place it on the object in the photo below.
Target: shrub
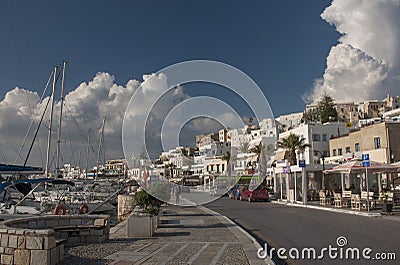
(147, 202)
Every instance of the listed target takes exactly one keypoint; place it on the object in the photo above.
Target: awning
(356, 166)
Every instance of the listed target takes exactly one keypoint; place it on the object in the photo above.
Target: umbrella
(355, 166)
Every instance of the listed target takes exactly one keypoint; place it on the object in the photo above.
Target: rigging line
(82, 134)
(72, 158)
(8, 141)
(32, 120)
(40, 122)
(36, 132)
(40, 152)
(52, 159)
(3, 154)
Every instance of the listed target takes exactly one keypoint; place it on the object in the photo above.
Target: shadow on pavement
(169, 234)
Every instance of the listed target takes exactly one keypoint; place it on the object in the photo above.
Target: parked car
(254, 193)
(234, 192)
(218, 190)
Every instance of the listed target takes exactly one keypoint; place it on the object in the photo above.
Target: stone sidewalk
(186, 235)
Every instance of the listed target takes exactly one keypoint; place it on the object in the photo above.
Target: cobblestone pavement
(186, 235)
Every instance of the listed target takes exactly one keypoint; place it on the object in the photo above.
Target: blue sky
(282, 45)
(292, 49)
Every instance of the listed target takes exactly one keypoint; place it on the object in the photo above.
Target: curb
(328, 209)
(243, 236)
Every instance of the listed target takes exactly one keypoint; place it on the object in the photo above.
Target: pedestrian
(177, 192)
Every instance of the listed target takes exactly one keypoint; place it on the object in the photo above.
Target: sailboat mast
(60, 120)
(100, 146)
(88, 154)
(50, 122)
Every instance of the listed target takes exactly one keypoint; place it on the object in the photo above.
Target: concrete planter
(140, 225)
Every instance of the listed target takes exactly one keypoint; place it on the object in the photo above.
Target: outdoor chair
(337, 200)
(355, 202)
(368, 196)
(396, 197)
(347, 194)
(340, 201)
(323, 200)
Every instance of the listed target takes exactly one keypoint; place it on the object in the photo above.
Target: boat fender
(60, 209)
(84, 209)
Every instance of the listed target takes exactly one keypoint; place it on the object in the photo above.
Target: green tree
(311, 116)
(257, 150)
(171, 167)
(244, 147)
(292, 143)
(326, 108)
(324, 112)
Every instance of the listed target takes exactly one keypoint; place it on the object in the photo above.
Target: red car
(254, 193)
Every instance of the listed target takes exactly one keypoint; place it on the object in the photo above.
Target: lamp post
(323, 167)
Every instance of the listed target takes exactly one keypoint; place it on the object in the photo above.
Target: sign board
(365, 160)
(302, 163)
(286, 169)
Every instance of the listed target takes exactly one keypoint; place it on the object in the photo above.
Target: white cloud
(85, 107)
(365, 64)
(351, 75)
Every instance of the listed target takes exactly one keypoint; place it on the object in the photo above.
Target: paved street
(186, 235)
(285, 226)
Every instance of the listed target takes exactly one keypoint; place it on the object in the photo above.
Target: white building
(317, 135)
(288, 179)
(290, 121)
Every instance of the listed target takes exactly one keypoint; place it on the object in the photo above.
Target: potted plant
(387, 205)
(147, 202)
(144, 222)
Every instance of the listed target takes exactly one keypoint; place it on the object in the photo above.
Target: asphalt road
(282, 226)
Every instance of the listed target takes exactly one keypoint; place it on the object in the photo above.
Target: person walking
(177, 193)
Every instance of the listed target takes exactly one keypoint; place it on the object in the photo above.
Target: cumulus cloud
(84, 108)
(365, 63)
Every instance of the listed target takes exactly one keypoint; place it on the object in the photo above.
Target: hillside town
(347, 131)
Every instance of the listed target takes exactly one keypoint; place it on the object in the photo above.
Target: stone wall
(40, 240)
(126, 203)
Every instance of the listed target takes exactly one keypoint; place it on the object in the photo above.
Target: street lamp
(323, 167)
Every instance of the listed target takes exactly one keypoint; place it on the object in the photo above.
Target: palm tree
(292, 143)
(244, 147)
(257, 149)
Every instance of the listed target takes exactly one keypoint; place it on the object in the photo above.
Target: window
(316, 137)
(377, 141)
(324, 138)
(348, 150)
(334, 152)
(340, 152)
(357, 147)
(326, 153)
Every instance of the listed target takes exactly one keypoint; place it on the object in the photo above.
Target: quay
(186, 235)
